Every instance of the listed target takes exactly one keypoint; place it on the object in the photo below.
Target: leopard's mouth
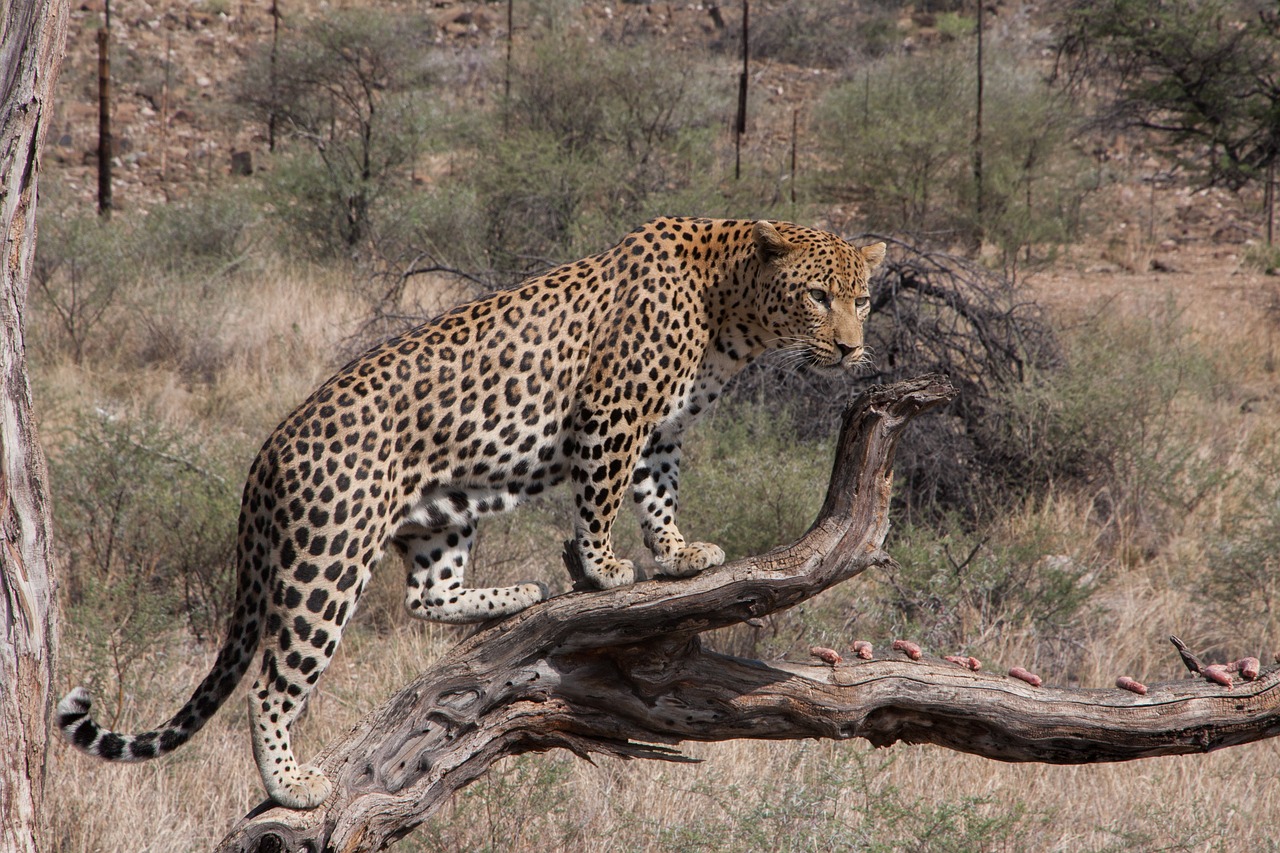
(833, 361)
(827, 362)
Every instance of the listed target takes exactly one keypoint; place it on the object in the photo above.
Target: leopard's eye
(862, 302)
(821, 297)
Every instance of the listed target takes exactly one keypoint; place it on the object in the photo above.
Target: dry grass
(264, 340)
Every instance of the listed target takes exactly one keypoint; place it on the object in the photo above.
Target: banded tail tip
(73, 707)
(77, 726)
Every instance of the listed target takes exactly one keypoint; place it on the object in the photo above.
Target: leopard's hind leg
(436, 564)
(304, 625)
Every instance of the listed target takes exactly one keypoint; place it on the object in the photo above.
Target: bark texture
(622, 673)
(32, 33)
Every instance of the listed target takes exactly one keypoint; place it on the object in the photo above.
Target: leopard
(588, 373)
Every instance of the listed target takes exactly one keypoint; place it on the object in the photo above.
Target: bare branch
(622, 673)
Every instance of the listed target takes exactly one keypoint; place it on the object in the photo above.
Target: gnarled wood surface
(32, 33)
(622, 672)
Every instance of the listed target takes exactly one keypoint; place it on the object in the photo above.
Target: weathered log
(622, 672)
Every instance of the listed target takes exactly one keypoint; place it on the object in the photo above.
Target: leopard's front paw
(611, 572)
(692, 558)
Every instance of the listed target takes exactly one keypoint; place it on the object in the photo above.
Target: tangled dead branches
(934, 312)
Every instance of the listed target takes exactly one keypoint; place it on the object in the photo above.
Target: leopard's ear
(873, 255)
(769, 243)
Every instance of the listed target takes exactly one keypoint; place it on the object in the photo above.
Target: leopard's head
(816, 295)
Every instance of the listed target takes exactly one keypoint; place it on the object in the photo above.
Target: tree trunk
(622, 673)
(30, 56)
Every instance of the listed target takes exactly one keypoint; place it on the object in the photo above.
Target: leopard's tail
(234, 658)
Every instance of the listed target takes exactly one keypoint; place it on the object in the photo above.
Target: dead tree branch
(622, 673)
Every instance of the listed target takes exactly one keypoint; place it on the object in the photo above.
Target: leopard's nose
(846, 350)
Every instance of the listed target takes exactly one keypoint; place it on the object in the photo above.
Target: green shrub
(900, 140)
(1264, 258)
(1241, 573)
(837, 797)
(900, 137)
(318, 206)
(750, 451)
(630, 99)
(823, 34)
(93, 274)
(535, 805)
(963, 591)
(81, 266)
(146, 516)
(593, 139)
(954, 25)
(1197, 76)
(1121, 420)
(1244, 564)
(348, 88)
(206, 233)
(531, 193)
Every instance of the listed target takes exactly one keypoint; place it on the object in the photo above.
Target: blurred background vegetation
(1088, 263)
